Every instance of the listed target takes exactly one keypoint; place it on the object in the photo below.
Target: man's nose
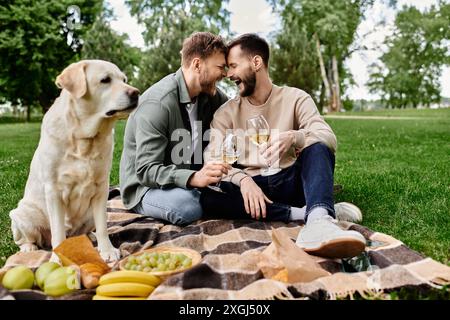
(229, 74)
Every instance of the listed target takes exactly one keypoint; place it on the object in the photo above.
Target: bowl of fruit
(162, 261)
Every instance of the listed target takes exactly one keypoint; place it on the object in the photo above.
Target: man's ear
(257, 63)
(196, 64)
(73, 79)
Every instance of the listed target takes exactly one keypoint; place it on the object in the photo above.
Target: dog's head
(100, 87)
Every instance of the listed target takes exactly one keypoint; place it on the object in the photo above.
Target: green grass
(425, 113)
(396, 171)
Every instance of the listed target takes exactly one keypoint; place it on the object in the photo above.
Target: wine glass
(259, 133)
(227, 153)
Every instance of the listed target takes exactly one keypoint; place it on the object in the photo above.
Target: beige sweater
(286, 109)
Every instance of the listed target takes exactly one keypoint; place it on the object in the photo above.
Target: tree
(294, 60)
(103, 43)
(37, 40)
(409, 72)
(168, 23)
(328, 29)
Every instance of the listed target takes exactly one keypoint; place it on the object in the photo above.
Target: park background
(377, 69)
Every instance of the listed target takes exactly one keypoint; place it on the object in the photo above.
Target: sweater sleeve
(312, 126)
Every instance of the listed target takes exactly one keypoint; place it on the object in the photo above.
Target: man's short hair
(252, 45)
(201, 45)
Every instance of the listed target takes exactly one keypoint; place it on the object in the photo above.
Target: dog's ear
(73, 79)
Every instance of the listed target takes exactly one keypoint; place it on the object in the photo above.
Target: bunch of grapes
(162, 261)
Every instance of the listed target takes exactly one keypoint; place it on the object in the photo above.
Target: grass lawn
(396, 171)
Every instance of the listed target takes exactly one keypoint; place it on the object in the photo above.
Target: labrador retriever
(67, 187)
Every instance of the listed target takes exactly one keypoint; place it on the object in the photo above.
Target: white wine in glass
(230, 158)
(259, 133)
(228, 153)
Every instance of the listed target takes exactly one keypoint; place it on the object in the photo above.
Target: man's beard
(207, 86)
(249, 83)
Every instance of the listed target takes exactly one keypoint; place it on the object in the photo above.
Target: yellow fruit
(43, 271)
(125, 289)
(62, 281)
(97, 297)
(130, 276)
(20, 277)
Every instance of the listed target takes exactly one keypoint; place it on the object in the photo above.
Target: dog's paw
(54, 258)
(110, 254)
(27, 247)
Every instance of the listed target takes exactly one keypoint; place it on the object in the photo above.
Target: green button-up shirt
(146, 161)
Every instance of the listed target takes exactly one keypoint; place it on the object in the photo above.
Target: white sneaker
(346, 211)
(322, 237)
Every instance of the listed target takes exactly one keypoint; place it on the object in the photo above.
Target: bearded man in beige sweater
(301, 144)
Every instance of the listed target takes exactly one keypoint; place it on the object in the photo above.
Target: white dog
(67, 187)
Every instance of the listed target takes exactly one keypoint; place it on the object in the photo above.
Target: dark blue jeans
(309, 181)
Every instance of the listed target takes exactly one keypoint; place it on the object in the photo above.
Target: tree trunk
(323, 73)
(322, 97)
(14, 109)
(28, 113)
(336, 98)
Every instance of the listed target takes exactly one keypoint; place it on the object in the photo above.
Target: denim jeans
(176, 205)
(309, 181)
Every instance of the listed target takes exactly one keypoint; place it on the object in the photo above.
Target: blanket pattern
(231, 250)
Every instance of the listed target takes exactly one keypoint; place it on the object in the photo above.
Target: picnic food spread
(82, 267)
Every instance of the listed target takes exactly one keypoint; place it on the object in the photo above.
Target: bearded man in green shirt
(161, 164)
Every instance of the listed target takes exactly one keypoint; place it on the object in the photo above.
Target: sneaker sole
(339, 248)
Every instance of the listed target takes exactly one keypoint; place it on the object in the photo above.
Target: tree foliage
(294, 60)
(34, 46)
(409, 72)
(103, 43)
(168, 23)
(315, 34)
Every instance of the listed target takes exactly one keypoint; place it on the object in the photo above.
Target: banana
(98, 297)
(130, 276)
(125, 289)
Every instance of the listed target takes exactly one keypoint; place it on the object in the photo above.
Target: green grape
(145, 263)
(182, 257)
(177, 256)
(152, 261)
(187, 262)
(171, 266)
(161, 267)
(173, 259)
(166, 255)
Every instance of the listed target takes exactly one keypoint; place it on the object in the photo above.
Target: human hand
(254, 198)
(276, 148)
(210, 173)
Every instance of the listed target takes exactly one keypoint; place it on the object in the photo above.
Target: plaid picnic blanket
(231, 249)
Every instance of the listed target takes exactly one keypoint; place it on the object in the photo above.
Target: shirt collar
(184, 93)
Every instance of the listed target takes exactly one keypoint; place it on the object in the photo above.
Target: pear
(62, 281)
(43, 271)
(20, 277)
